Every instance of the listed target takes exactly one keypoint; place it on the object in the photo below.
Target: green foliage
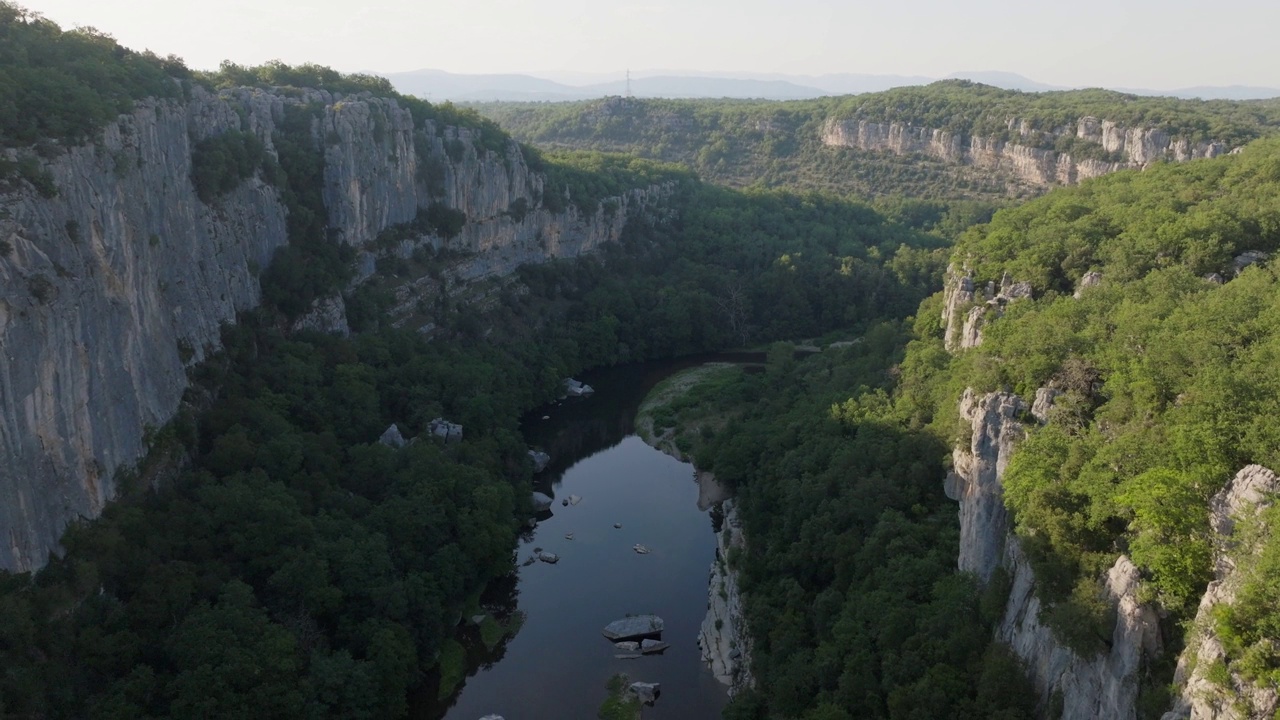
(312, 265)
(219, 163)
(1169, 380)
(969, 108)
(619, 705)
(740, 143)
(292, 570)
(1249, 626)
(584, 179)
(852, 597)
(745, 143)
(57, 85)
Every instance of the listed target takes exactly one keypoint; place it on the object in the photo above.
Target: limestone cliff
(1104, 685)
(724, 639)
(115, 286)
(966, 308)
(1020, 159)
(1231, 697)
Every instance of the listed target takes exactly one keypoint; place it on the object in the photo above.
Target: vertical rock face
(1200, 697)
(1104, 685)
(1101, 686)
(112, 288)
(1035, 166)
(108, 291)
(975, 478)
(724, 640)
(965, 310)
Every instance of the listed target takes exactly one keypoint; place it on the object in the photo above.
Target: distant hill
(951, 139)
(439, 85)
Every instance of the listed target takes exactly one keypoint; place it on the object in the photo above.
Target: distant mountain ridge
(440, 85)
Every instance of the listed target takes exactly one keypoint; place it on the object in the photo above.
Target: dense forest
(271, 558)
(778, 144)
(1166, 370)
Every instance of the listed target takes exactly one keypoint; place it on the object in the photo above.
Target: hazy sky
(1160, 44)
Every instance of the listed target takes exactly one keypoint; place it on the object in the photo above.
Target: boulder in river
(635, 626)
(649, 647)
(641, 549)
(541, 501)
(647, 693)
(573, 499)
(548, 557)
(540, 460)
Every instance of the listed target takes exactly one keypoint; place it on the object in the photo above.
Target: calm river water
(556, 667)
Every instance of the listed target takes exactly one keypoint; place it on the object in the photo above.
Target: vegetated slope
(1166, 377)
(1165, 365)
(270, 558)
(741, 143)
(853, 603)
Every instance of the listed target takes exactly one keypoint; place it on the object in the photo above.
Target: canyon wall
(1020, 159)
(116, 285)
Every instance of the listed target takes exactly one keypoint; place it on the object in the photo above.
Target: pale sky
(1158, 44)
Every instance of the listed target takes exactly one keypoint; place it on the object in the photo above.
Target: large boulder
(541, 501)
(392, 438)
(648, 646)
(635, 626)
(540, 460)
(647, 693)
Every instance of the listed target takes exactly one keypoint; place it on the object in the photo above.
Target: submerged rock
(633, 627)
(647, 693)
(541, 501)
(640, 549)
(628, 646)
(648, 647)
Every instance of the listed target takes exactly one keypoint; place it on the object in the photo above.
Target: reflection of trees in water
(501, 601)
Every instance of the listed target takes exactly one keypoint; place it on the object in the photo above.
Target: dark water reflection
(557, 665)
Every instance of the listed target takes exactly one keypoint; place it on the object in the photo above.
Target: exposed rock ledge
(112, 289)
(1104, 685)
(1034, 166)
(1249, 491)
(724, 639)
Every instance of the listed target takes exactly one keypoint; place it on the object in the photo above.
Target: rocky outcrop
(974, 481)
(966, 309)
(1024, 158)
(634, 626)
(724, 639)
(1229, 697)
(1104, 685)
(110, 290)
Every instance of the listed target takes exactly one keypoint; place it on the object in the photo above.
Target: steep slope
(953, 139)
(121, 280)
(1140, 345)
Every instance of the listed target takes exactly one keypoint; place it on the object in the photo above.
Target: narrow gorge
(117, 284)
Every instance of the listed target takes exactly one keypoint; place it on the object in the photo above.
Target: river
(557, 665)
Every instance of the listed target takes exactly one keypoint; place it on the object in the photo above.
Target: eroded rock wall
(1028, 164)
(724, 639)
(1102, 685)
(1230, 697)
(113, 288)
